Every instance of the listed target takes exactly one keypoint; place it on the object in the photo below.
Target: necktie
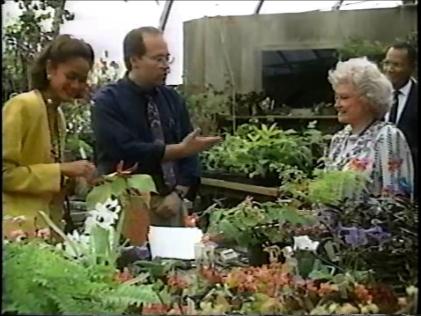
(394, 111)
(158, 135)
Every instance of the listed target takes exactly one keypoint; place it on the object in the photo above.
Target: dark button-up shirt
(122, 131)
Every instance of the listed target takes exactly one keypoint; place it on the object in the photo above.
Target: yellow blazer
(31, 178)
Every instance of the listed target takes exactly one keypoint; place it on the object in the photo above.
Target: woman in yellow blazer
(34, 173)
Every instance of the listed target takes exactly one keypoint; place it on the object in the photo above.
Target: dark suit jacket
(408, 124)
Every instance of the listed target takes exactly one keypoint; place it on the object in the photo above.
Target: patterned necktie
(158, 135)
(394, 111)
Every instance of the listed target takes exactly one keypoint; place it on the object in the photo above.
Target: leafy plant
(56, 285)
(78, 275)
(368, 233)
(24, 38)
(374, 50)
(204, 108)
(252, 223)
(332, 187)
(266, 151)
(357, 47)
(273, 289)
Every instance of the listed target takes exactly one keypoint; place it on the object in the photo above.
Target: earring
(48, 76)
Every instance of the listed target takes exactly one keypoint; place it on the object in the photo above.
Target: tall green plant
(24, 38)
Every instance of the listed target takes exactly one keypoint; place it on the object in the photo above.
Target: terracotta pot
(136, 223)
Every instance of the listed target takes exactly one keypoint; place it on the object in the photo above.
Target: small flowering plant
(378, 234)
(99, 241)
(96, 241)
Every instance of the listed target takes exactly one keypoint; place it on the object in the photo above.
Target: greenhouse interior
(210, 157)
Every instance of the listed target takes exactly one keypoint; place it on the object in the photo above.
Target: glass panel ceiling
(104, 23)
(294, 6)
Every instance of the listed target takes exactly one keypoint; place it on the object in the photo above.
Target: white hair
(368, 80)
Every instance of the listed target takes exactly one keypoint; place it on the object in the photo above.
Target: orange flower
(155, 309)
(177, 282)
(124, 276)
(362, 293)
(327, 288)
(311, 287)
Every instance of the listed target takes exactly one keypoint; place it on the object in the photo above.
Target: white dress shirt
(402, 98)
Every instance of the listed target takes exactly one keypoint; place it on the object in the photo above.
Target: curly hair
(368, 80)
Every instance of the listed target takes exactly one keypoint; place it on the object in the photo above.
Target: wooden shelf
(222, 184)
(281, 117)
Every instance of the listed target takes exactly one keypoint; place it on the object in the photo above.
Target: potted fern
(78, 275)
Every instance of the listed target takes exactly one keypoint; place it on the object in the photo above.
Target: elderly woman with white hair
(378, 149)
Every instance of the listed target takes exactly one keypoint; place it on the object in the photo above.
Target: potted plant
(78, 274)
(252, 225)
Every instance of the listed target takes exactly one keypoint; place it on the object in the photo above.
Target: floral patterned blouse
(380, 152)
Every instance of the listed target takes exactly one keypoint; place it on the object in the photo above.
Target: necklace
(53, 125)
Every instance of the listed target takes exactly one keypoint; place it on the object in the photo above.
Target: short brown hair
(133, 44)
(59, 50)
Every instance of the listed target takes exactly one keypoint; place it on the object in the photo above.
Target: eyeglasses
(163, 60)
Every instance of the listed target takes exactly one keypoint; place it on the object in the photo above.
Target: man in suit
(140, 120)
(399, 66)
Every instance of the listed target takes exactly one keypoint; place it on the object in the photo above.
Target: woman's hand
(79, 168)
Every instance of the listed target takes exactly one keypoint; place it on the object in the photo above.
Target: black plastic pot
(258, 257)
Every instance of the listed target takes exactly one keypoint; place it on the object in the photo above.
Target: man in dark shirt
(399, 66)
(139, 120)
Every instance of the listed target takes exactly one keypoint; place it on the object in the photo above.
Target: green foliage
(76, 145)
(99, 194)
(358, 47)
(80, 278)
(332, 187)
(129, 295)
(141, 182)
(266, 151)
(204, 108)
(241, 223)
(55, 285)
(117, 185)
(397, 223)
(120, 185)
(24, 38)
(374, 50)
(78, 113)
